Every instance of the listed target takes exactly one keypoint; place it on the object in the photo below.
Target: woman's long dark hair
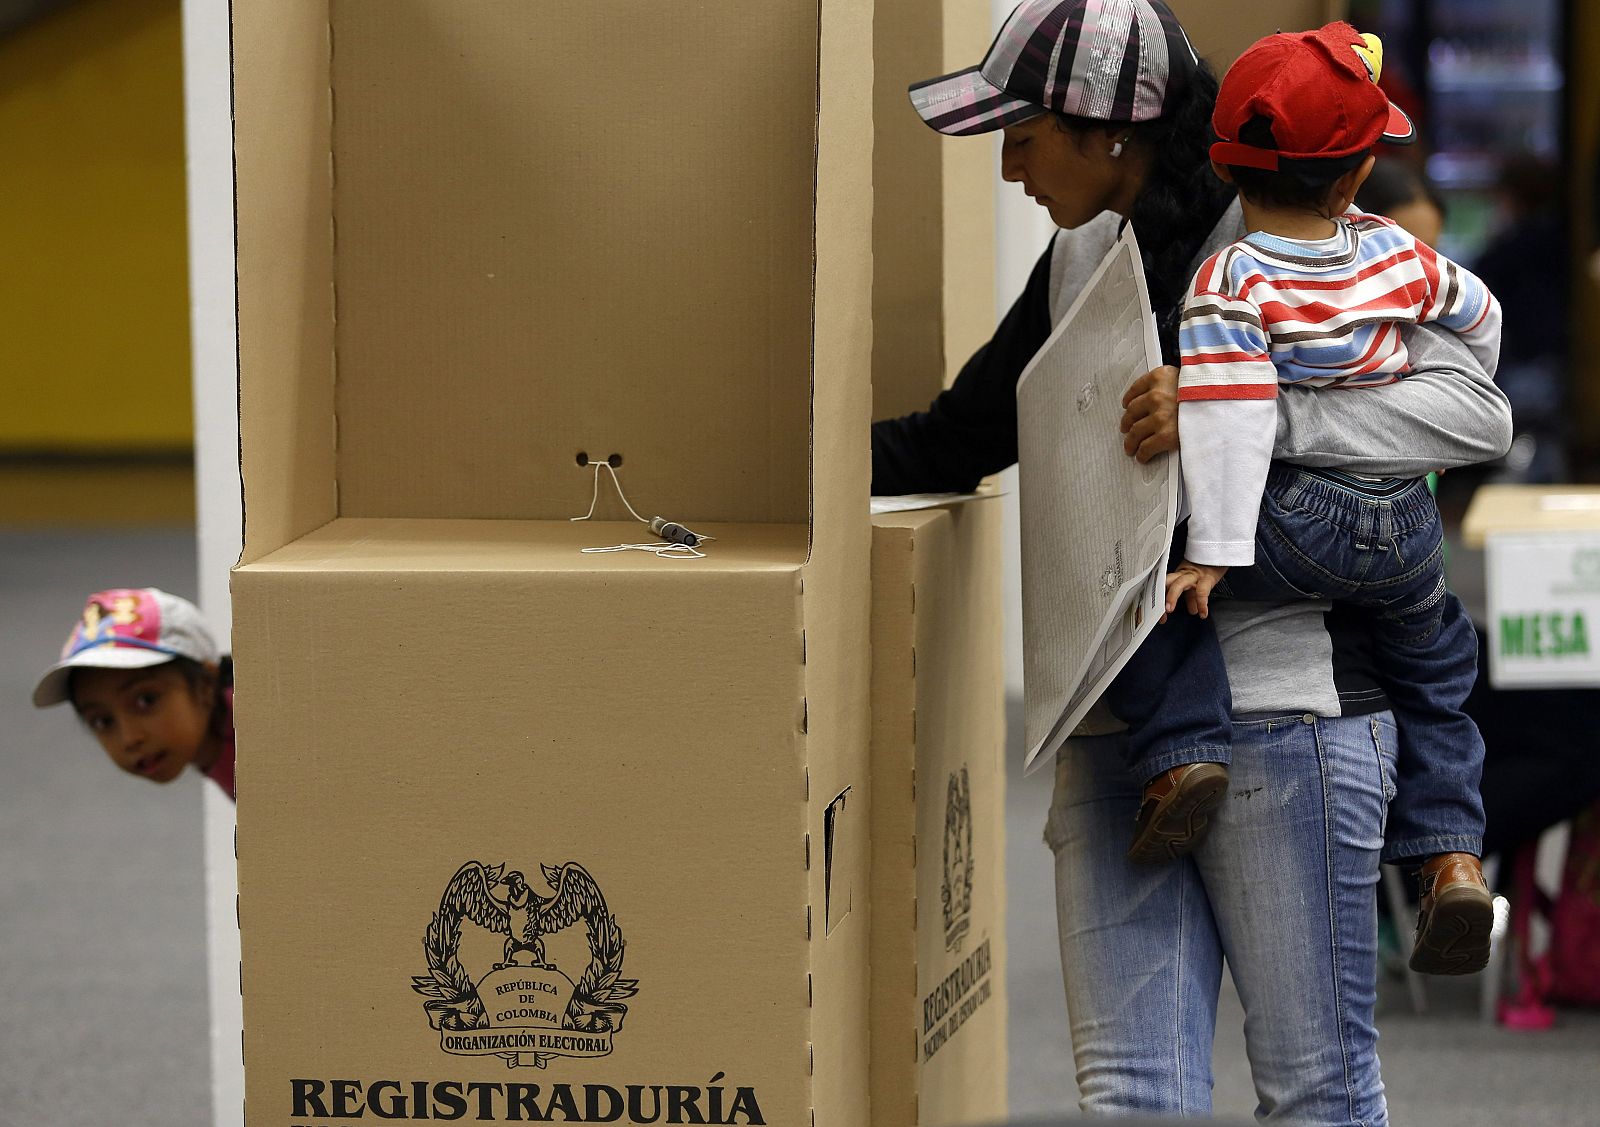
(1181, 200)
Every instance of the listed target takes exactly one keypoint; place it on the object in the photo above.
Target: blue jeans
(1375, 545)
(1283, 889)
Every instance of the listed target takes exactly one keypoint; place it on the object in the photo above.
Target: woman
(1106, 113)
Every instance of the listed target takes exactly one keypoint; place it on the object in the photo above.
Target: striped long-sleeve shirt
(1267, 311)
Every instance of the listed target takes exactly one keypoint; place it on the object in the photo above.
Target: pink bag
(1574, 956)
(1570, 970)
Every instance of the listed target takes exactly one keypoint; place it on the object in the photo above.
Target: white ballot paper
(1096, 525)
(911, 502)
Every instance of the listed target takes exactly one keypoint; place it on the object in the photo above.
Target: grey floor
(102, 929)
(102, 946)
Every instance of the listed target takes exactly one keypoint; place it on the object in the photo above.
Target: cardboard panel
(563, 228)
(933, 225)
(836, 577)
(1221, 29)
(970, 177)
(938, 802)
(907, 235)
(283, 188)
(396, 727)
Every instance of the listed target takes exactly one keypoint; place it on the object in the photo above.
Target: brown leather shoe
(1455, 917)
(1176, 812)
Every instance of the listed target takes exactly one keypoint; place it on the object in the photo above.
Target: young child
(145, 677)
(1314, 296)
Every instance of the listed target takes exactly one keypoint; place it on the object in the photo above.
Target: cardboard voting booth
(1542, 567)
(938, 819)
(937, 1002)
(528, 834)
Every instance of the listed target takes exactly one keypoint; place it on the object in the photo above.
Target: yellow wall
(94, 330)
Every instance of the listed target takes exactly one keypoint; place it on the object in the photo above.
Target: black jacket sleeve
(970, 430)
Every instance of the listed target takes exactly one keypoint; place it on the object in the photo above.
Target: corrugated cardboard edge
(895, 1046)
(837, 575)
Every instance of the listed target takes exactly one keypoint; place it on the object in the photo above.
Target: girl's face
(1072, 175)
(151, 722)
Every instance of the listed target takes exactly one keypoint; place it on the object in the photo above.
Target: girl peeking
(145, 677)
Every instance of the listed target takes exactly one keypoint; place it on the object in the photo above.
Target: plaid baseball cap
(1318, 90)
(127, 628)
(1110, 60)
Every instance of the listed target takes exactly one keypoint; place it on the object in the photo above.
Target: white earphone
(1116, 149)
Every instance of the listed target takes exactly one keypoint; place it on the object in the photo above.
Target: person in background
(146, 678)
(1525, 263)
(1105, 110)
(1398, 191)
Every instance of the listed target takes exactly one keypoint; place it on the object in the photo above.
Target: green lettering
(1513, 636)
(1580, 634)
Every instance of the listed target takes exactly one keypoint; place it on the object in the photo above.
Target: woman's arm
(970, 431)
(1446, 413)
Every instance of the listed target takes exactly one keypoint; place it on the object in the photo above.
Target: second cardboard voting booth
(938, 818)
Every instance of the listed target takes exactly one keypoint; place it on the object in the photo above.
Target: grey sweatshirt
(1446, 413)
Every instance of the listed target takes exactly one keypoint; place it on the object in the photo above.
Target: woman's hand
(1150, 414)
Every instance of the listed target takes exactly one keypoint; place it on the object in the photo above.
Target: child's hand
(1193, 581)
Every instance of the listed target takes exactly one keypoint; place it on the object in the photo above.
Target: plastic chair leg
(1405, 926)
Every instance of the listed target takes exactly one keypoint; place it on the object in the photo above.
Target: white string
(661, 549)
(595, 497)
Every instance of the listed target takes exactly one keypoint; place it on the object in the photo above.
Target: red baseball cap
(1319, 91)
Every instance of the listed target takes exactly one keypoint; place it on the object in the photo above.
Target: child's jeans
(1375, 544)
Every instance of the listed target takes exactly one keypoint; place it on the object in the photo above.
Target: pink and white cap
(127, 628)
(1109, 60)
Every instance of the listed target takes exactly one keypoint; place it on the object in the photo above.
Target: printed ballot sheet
(1096, 525)
(911, 502)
